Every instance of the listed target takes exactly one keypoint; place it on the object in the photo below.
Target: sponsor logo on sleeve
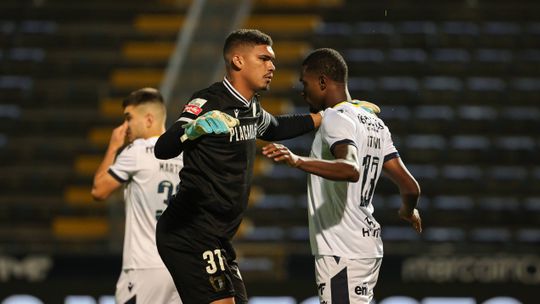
(195, 106)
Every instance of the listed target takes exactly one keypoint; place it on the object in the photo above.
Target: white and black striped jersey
(149, 183)
(218, 169)
(341, 221)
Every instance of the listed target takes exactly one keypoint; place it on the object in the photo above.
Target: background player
(349, 151)
(149, 183)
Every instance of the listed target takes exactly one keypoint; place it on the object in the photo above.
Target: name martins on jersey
(164, 166)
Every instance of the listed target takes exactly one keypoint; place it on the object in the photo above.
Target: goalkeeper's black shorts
(202, 266)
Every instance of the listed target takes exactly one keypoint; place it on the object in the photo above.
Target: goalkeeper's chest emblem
(243, 132)
(236, 111)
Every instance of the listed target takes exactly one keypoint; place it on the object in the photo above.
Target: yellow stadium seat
(277, 106)
(86, 165)
(78, 195)
(246, 226)
(147, 50)
(111, 107)
(298, 3)
(178, 3)
(290, 51)
(284, 79)
(261, 143)
(284, 24)
(256, 194)
(100, 136)
(159, 23)
(80, 227)
(262, 166)
(136, 78)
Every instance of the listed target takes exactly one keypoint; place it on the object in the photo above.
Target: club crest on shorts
(217, 282)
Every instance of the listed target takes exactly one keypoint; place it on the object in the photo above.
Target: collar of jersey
(354, 102)
(234, 92)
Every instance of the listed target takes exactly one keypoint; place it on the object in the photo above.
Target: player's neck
(154, 133)
(241, 86)
(337, 96)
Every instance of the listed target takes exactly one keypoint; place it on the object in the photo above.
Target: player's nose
(271, 66)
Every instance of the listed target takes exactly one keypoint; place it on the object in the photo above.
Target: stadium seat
(80, 228)
(445, 234)
(498, 235)
(158, 23)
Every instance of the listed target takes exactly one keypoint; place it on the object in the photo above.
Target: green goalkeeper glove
(215, 122)
(368, 106)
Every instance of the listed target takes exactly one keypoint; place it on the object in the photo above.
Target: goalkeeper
(217, 132)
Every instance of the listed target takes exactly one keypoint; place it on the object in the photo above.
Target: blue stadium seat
(396, 233)
(477, 112)
(409, 55)
(444, 234)
(453, 202)
(334, 28)
(434, 113)
(268, 233)
(490, 235)
(424, 171)
(470, 142)
(531, 235)
(448, 55)
(507, 173)
(276, 201)
(425, 141)
(364, 55)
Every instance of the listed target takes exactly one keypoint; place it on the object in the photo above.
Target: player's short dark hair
(328, 62)
(245, 37)
(142, 96)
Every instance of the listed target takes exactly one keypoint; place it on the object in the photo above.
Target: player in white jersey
(350, 150)
(149, 183)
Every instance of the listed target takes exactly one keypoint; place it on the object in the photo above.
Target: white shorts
(344, 281)
(153, 285)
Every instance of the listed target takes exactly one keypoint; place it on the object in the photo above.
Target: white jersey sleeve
(125, 164)
(338, 128)
(389, 150)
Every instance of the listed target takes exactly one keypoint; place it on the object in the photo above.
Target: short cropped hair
(143, 96)
(328, 62)
(250, 37)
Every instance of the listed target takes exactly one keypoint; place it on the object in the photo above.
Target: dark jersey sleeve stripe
(116, 177)
(343, 141)
(391, 156)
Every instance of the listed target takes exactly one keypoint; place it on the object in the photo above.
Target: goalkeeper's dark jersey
(218, 169)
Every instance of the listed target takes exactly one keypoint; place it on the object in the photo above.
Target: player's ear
(149, 120)
(323, 82)
(237, 62)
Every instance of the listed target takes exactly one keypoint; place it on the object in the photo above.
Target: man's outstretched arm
(275, 128)
(343, 168)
